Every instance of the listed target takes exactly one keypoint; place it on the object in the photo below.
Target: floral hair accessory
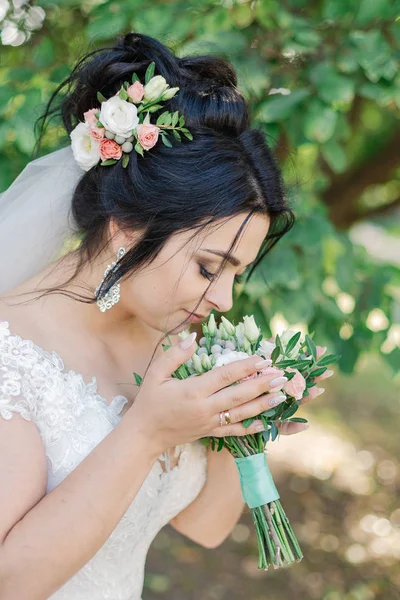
(122, 124)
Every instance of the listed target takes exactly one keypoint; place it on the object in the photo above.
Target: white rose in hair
(119, 116)
(85, 149)
(155, 88)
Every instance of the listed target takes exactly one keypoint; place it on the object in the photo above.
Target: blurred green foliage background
(322, 81)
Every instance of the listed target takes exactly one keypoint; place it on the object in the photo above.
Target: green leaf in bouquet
(290, 411)
(138, 379)
(310, 383)
(318, 372)
(274, 432)
(286, 363)
(165, 347)
(278, 344)
(289, 375)
(266, 433)
(247, 422)
(327, 360)
(213, 443)
(220, 444)
(298, 420)
(271, 412)
(292, 342)
(265, 422)
(275, 354)
(260, 337)
(311, 347)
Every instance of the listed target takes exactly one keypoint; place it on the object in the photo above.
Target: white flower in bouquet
(119, 116)
(212, 326)
(251, 330)
(228, 327)
(265, 349)
(225, 359)
(85, 149)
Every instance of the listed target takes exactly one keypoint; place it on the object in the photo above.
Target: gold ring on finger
(227, 417)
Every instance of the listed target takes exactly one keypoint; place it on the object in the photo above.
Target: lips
(196, 315)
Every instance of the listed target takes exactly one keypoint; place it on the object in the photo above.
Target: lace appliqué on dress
(72, 419)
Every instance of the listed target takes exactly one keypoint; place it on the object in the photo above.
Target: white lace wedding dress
(72, 419)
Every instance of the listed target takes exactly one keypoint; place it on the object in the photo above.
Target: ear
(118, 236)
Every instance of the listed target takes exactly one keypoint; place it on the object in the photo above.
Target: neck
(116, 326)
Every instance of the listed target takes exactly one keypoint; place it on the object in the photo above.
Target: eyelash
(210, 276)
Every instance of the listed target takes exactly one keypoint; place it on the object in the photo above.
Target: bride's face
(162, 294)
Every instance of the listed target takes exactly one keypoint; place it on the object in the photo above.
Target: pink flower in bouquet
(296, 386)
(135, 91)
(110, 149)
(147, 135)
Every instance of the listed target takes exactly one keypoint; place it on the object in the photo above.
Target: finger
(244, 391)
(321, 351)
(253, 408)
(237, 429)
(313, 393)
(328, 373)
(289, 428)
(167, 363)
(221, 377)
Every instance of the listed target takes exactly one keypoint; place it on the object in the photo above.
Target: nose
(220, 296)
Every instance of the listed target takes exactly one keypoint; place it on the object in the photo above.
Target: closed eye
(210, 276)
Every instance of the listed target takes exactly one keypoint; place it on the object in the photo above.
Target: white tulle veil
(35, 218)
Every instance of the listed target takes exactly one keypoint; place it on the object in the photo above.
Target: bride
(92, 467)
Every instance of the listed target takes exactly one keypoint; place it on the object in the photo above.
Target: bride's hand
(174, 411)
(290, 428)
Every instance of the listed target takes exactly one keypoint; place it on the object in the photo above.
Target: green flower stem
(268, 535)
(285, 546)
(262, 557)
(290, 531)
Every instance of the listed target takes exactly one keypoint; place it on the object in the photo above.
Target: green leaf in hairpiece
(100, 97)
(125, 160)
(149, 72)
(109, 161)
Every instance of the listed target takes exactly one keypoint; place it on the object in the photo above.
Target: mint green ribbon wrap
(256, 481)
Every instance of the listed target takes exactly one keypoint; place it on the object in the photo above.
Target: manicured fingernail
(277, 381)
(328, 373)
(277, 399)
(259, 427)
(320, 391)
(188, 341)
(263, 363)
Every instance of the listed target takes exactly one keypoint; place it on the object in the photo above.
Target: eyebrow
(234, 261)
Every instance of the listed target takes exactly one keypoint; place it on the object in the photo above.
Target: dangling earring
(114, 293)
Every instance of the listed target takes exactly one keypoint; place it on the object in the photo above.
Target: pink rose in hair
(90, 117)
(147, 135)
(296, 386)
(136, 91)
(109, 149)
(97, 133)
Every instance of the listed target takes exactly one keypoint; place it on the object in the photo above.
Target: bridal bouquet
(302, 362)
